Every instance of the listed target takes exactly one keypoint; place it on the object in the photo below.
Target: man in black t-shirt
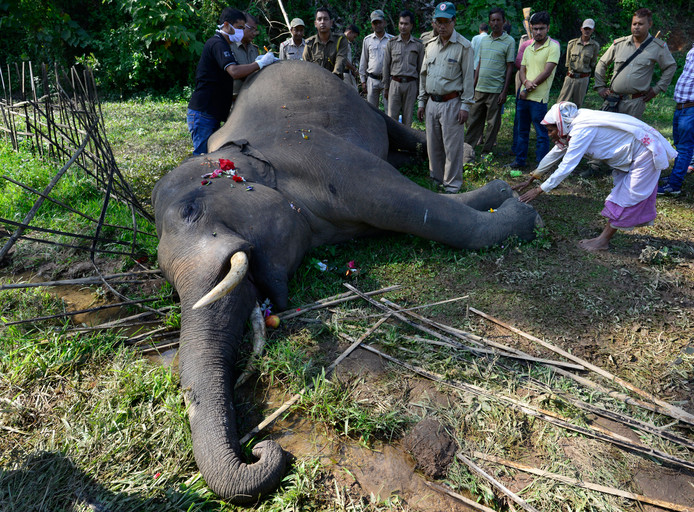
(214, 79)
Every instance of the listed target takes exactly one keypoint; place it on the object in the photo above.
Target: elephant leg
(491, 195)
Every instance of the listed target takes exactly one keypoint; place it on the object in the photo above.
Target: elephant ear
(265, 172)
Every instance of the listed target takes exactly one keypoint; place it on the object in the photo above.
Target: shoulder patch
(620, 39)
(659, 42)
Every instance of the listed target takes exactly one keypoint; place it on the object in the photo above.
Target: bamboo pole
(673, 411)
(583, 484)
(78, 281)
(550, 417)
(496, 484)
(295, 398)
(8, 245)
(331, 301)
(459, 497)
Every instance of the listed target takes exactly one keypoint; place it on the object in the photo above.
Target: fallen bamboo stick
(675, 412)
(423, 306)
(459, 497)
(145, 349)
(495, 483)
(72, 313)
(331, 301)
(78, 281)
(550, 417)
(583, 484)
(396, 310)
(615, 416)
(286, 405)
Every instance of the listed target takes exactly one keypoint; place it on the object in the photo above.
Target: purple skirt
(640, 214)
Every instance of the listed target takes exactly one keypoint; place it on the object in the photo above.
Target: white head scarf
(561, 114)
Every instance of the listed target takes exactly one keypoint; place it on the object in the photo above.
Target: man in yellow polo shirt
(537, 70)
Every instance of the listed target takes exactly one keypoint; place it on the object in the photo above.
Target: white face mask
(235, 37)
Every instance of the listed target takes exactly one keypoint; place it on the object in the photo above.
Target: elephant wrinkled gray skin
(315, 155)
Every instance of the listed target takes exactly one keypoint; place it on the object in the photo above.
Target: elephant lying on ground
(313, 155)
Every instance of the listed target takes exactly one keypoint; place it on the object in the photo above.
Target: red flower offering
(226, 165)
(237, 178)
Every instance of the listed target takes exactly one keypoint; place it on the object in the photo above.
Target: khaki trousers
(374, 88)
(401, 99)
(634, 108)
(574, 90)
(445, 143)
(485, 109)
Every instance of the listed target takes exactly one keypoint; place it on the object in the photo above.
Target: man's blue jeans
(683, 133)
(200, 126)
(531, 112)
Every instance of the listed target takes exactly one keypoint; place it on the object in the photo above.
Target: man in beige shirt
(581, 57)
(402, 63)
(245, 51)
(446, 91)
(633, 83)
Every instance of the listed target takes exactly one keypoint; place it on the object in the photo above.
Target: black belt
(578, 75)
(445, 97)
(403, 78)
(375, 77)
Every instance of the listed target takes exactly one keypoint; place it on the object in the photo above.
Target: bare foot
(594, 244)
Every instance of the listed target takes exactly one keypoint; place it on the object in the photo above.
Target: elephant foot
(491, 195)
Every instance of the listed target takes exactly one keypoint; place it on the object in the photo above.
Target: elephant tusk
(239, 266)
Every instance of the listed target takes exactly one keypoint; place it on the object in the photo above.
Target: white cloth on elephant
(266, 59)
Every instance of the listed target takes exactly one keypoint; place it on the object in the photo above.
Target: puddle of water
(383, 470)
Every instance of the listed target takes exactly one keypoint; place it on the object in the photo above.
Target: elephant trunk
(210, 337)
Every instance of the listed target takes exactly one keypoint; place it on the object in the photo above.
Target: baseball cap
(588, 23)
(378, 15)
(444, 10)
(297, 22)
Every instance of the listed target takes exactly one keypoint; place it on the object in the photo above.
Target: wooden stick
(331, 301)
(459, 497)
(675, 412)
(498, 485)
(403, 310)
(286, 405)
(583, 484)
(550, 417)
(78, 281)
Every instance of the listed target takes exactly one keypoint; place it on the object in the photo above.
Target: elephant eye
(190, 212)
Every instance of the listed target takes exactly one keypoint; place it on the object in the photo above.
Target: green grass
(86, 421)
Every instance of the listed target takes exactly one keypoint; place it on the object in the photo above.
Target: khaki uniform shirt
(424, 38)
(291, 51)
(402, 59)
(329, 55)
(245, 54)
(582, 57)
(448, 69)
(636, 77)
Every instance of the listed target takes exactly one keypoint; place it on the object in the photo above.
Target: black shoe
(516, 165)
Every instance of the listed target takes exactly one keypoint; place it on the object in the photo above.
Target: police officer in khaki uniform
(446, 92)
(633, 83)
(325, 48)
(245, 51)
(581, 57)
(371, 62)
(402, 62)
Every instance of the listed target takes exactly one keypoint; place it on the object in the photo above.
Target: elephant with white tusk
(314, 157)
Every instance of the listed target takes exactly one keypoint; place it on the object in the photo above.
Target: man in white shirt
(635, 151)
(371, 63)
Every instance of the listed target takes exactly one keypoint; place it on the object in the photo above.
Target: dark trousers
(531, 112)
